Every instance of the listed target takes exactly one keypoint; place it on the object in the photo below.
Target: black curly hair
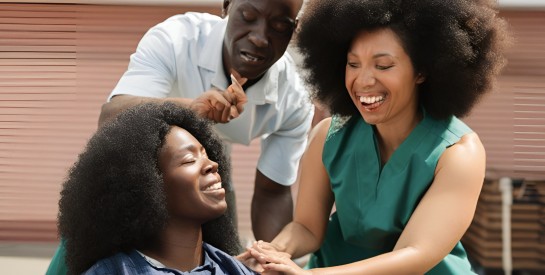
(113, 199)
(457, 44)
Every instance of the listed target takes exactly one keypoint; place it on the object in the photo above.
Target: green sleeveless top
(374, 203)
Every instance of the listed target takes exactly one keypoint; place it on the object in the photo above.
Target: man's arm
(272, 207)
(216, 105)
(122, 102)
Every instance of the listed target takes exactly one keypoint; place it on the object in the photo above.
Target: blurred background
(59, 60)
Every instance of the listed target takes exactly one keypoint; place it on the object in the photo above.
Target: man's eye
(282, 27)
(248, 16)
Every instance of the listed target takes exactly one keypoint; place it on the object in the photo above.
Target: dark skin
(257, 35)
(272, 207)
(187, 172)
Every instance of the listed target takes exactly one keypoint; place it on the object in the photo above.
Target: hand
(273, 248)
(212, 105)
(248, 260)
(275, 262)
(236, 92)
(221, 106)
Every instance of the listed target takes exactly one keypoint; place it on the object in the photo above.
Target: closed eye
(352, 64)
(248, 16)
(281, 26)
(188, 162)
(384, 67)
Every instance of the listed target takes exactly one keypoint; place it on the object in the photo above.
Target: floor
(25, 258)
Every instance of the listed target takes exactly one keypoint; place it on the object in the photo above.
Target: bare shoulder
(469, 145)
(319, 131)
(465, 160)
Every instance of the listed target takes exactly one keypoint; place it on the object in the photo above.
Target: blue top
(216, 262)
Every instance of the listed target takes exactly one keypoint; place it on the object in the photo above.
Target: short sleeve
(282, 150)
(152, 68)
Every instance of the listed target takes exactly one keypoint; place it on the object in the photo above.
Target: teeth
(370, 99)
(251, 57)
(214, 186)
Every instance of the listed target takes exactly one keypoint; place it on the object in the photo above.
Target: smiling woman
(402, 169)
(146, 195)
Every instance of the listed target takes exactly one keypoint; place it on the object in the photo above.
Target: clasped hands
(267, 259)
(222, 106)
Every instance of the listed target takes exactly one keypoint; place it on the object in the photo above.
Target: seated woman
(146, 197)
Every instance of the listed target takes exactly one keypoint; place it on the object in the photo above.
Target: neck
(179, 246)
(392, 134)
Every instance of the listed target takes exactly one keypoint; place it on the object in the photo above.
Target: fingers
(265, 253)
(267, 246)
(244, 256)
(222, 106)
(212, 105)
(248, 260)
(273, 261)
(238, 77)
(273, 268)
(236, 89)
(234, 112)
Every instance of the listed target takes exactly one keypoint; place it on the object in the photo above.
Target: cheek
(348, 80)
(279, 48)
(179, 182)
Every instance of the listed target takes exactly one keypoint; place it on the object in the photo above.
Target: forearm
(122, 102)
(271, 211)
(296, 240)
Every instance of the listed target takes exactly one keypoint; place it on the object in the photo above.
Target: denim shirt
(215, 262)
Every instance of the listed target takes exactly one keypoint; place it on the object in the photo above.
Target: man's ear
(225, 7)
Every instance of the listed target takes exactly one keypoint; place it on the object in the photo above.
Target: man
(188, 60)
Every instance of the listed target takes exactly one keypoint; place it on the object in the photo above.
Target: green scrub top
(374, 203)
(58, 264)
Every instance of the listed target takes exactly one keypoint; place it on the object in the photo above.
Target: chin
(251, 73)
(222, 209)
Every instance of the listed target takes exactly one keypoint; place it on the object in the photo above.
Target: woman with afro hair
(402, 169)
(146, 197)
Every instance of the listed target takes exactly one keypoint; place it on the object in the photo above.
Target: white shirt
(182, 57)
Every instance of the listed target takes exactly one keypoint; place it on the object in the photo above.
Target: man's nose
(258, 36)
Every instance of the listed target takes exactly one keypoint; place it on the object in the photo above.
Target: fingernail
(233, 79)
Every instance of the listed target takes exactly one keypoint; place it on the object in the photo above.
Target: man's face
(257, 35)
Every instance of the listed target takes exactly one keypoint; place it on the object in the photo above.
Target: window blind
(511, 120)
(58, 63)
